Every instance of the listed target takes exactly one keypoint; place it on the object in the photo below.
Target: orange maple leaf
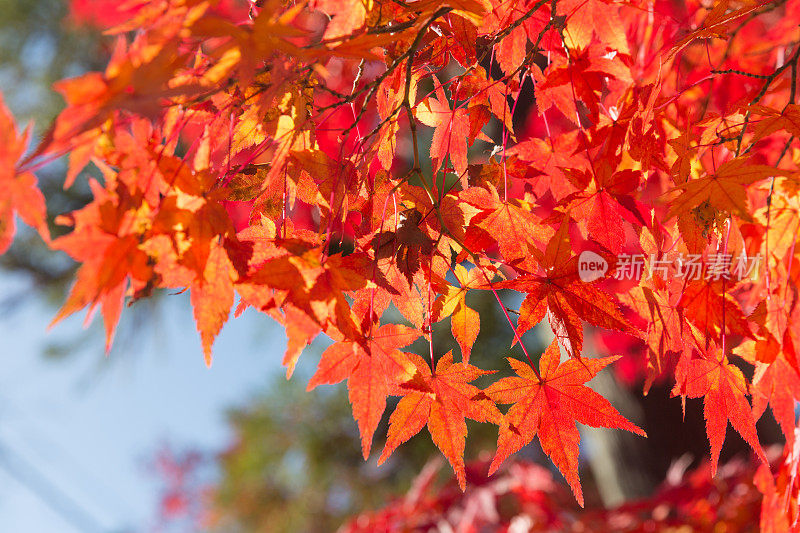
(109, 262)
(212, 297)
(465, 322)
(723, 389)
(450, 133)
(511, 225)
(788, 119)
(316, 288)
(777, 384)
(702, 302)
(18, 191)
(547, 404)
(587, 17)
(440, 399)
(373, 367)
(725, 189)
(664, 336)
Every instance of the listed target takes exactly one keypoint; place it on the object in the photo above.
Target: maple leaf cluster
(524, 497)
(282, 154)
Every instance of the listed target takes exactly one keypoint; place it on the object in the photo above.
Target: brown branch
(791, 63)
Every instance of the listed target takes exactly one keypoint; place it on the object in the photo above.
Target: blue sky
(86, 425)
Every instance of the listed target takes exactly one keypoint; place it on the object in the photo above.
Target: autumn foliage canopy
(357, 168)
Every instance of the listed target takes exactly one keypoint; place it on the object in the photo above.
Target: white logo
(591, 266)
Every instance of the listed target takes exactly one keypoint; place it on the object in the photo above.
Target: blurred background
(147, 438)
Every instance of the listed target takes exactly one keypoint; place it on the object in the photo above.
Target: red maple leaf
(566, 299)
(547, 404)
